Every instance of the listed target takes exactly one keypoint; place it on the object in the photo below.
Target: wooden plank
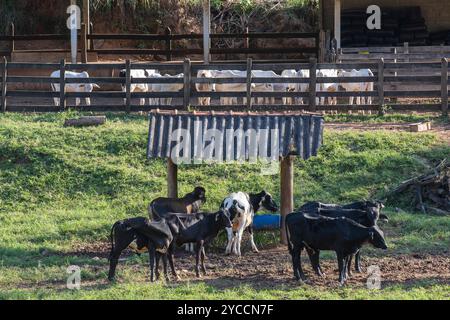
(249, 83)
(128, 86)
(287, 192)
(4, 84)
(13, 33)
(187, 84)
(380, 86)
(444, 86)
(172, 179)
(84, 44)
(62, 85)
(312, 85)
(168, 41)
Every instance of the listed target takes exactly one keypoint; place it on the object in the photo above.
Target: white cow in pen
(138, 87)
(328, 87)
(74, 87)
(205, 87)
(358, 86)
(165, 88)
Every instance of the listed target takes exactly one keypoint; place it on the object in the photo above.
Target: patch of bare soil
(272, 268)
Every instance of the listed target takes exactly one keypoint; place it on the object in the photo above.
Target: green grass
(62, 188)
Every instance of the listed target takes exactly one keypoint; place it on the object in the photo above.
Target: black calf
(315, 233)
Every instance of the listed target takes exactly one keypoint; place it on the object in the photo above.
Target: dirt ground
(272, 268)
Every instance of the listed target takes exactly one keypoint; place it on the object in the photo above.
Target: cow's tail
(288, 237)
(111, 238)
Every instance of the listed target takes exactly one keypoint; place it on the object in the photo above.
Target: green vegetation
(62, 188)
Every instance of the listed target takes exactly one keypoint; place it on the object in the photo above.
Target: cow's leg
(88, 101)
(166, 274)
(230, 241)
(120, 243)
(358, 262)
(342, 267)
(314, 256)
(349, 265)
(297, 263)
(198, 255)
(203, 256)
(252, 240)
(157, 259)
(171, 257)
(152, 256)
(77, 101)
(238, 242)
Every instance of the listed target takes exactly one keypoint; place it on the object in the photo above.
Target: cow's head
(267, 202)
(200, 194)
(374, 211)
(376, 238)
(223, 218)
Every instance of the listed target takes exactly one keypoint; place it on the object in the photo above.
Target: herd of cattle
(165, 87)
(314, 227)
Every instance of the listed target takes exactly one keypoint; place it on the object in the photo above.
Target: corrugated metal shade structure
(227, 137)
(278, 135)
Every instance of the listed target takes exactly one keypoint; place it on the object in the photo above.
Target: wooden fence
(404, 53)
(167, 40)
(187, 98)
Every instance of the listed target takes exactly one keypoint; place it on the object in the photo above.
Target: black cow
(366, 213)
(201, 233)
(157, 237)
(315, 233)
(190, 204)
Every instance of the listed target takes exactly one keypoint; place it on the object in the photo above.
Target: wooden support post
(312, 85)
(4, 83)
(87, 19)
(84, 43)
(337, 23)
(91, 31)
(206, 31)
(321, 46)
(287, 192)
(128, 86)
(168, 33)
(172, 179)
(62, 85)
(13, 34)
(444, 86)
(187, 83)
(406, 51)
(249, 83)
(247, 40)
(380, 86)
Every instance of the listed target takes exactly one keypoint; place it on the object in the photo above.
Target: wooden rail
(187, 97)
(164, 43)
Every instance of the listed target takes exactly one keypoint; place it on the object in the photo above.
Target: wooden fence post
(187, 83)
(312, 84)
(247, 40)
(62, 85)
(168, 33)
(406, 51)
(380, 86)
(322, 46)
(444, 86)
(128, 86)
(13, 34)
(249, 83)
(287, 192)
(172, 179)
(4, 83)
(84, 44)
(91, 32)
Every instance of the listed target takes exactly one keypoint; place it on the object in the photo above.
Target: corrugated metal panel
(237, 137)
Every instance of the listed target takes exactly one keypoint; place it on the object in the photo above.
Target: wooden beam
(84, 43)
(87, 18)
(172, 179)
(444, 86)
(287, 192)
(4, 84)
(337, 22)
(206, 30)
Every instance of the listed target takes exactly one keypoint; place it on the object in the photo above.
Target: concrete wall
(435, 12)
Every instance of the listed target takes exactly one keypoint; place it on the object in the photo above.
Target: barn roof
(237, 136)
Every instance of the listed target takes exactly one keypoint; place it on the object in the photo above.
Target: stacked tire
(398, 25)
